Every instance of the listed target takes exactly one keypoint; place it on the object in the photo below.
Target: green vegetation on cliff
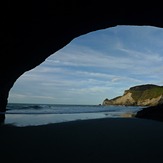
(148, 91)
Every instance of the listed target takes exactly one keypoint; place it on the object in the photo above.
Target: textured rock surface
(33, 30)
(122, 100)
(143, 95)
(153, 112)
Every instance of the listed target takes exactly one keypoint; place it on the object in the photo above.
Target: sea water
(40, 114)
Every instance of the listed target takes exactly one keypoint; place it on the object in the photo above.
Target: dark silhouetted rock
(153, 112)
(2, 119)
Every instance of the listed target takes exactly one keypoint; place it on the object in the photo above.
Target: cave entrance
(95, 66)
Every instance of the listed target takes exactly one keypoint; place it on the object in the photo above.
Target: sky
(95, 66)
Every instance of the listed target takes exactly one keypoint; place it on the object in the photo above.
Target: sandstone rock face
(122, 100)
(143, 95)
(151, 102)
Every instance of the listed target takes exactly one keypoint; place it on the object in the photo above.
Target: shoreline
(22, 120)
(96, 140)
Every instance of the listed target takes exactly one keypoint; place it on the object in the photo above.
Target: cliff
(142, 95)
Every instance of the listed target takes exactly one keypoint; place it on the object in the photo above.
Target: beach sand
(100, 140)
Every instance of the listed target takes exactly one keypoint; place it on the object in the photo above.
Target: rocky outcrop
(153, 112)
(32, 31)
(143, 95)
(126, 99)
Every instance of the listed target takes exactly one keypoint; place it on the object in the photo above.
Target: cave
(33, 31)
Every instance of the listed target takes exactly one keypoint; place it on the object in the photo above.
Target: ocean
(41, 114)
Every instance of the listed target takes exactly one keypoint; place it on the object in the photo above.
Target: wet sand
(100, 140)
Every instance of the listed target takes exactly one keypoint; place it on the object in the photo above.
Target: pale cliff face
(127, 100)
(151, 102)
(124, 100)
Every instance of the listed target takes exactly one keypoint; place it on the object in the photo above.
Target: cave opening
(92, 67)
(95, 66)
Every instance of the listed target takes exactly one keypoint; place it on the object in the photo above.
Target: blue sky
(95, 66)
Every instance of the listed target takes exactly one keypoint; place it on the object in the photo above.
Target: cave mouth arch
(108, 51)
(32, 25)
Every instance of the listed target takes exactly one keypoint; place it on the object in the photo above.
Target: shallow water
(39, 114)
